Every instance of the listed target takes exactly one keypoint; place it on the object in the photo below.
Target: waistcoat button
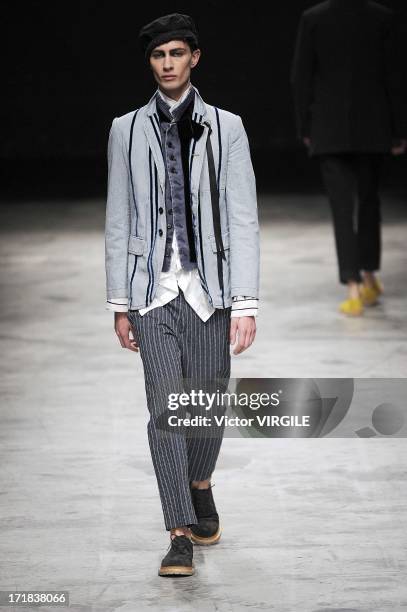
(161, 210)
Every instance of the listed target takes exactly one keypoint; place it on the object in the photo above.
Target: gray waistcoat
(178, 211)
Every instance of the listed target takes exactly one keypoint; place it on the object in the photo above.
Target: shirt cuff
(244, 306)
(117, 305)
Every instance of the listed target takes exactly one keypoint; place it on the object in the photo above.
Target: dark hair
(191, 43)
(187, 39)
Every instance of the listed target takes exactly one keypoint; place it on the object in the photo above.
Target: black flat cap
(169, 27)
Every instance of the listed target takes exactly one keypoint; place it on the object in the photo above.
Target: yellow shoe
(369, 295)
(378, 285)
(352, 307)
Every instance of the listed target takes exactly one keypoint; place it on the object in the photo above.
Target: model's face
(172, 63)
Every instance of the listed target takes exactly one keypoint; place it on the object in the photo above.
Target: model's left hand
(245, 330)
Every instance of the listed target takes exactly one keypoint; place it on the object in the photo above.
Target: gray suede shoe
(178, 560)
(207, 531)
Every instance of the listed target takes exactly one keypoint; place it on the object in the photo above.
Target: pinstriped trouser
(175, 344)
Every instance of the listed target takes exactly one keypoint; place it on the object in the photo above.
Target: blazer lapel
(153, 135)
(198, 153)
(198, 147)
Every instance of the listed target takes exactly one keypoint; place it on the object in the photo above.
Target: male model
(182, 266)
(349, 114)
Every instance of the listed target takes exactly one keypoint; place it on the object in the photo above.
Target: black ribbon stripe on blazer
(220, 251)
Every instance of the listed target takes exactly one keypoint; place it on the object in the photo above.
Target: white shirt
(187, 280)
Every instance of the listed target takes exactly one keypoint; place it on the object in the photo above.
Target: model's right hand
(123, 328)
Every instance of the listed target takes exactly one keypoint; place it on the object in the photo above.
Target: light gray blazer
(135, 230)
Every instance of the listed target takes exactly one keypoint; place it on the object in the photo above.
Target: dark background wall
(72, 67)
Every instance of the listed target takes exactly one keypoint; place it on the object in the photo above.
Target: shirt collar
(173, 104)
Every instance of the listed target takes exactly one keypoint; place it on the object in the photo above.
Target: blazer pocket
(225, 240)
(136, 245)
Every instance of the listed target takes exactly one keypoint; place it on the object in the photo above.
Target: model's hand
(245, 330)
(399, 148)
(123, 328)
(307, 141)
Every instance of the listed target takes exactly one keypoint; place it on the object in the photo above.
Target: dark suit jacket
(345, 78)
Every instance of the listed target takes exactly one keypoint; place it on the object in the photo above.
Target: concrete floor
(309, 525)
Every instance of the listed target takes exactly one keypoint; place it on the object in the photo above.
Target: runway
(310, 525)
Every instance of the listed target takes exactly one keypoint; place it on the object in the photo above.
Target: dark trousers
(352, 183)
(179, 352)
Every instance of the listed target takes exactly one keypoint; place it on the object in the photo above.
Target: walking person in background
(350, 113)
(182, 266)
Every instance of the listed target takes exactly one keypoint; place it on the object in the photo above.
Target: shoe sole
(206, 541)
(176, 570)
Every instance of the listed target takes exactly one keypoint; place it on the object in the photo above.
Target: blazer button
(169, 226)
(160, 232)
(160, 210)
